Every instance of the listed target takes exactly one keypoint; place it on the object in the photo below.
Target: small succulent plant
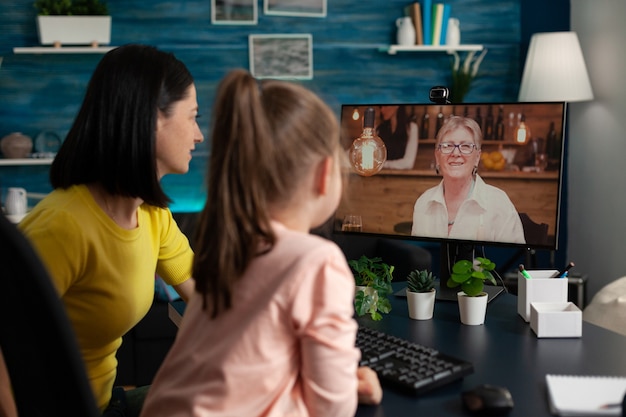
(420, 281)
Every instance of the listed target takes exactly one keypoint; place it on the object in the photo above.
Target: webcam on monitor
(439, 95)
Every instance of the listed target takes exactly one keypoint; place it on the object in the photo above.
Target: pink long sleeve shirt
(286, 348)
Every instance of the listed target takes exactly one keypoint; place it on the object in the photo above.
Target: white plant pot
(472, 309)
(421, 304)
(368, 291)
(74, 30)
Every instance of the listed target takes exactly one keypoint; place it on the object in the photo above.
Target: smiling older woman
(463, 206)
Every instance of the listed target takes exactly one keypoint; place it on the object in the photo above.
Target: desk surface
(504, 351)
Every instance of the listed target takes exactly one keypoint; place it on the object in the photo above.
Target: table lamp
(555, 69)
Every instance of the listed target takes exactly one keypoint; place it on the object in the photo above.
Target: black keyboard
(407, 366)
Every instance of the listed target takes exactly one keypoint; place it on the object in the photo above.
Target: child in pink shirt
(270, 330)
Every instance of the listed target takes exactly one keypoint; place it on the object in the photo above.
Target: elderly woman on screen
(463, 206)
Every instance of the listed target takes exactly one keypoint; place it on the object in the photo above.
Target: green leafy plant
(420, 281)
(471, 276)
(376, 276)
(71, 8)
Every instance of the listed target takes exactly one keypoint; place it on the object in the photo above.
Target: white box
(74, 30)
(556, 319)
(539, 288)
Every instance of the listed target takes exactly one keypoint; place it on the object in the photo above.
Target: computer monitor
(521, 155)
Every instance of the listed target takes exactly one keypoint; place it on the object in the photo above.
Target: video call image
(492, 176)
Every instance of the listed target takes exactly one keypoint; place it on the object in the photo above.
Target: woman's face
(456, 164)
(177, 135)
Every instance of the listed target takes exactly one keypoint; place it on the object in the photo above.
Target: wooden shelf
(25, 161)
(393, 49)
(62, 50)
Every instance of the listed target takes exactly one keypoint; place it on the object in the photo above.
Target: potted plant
(420, 294)
(73, 22)
(471, 276)
(373, 285)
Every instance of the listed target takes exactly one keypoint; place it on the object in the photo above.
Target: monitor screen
(493, 176)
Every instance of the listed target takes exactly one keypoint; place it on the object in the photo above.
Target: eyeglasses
(448, 147)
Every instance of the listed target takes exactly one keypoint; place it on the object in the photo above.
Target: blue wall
(43, 92)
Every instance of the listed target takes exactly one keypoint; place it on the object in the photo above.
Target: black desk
(504, 351)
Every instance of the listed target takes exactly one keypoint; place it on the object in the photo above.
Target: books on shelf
(573, 395)
(430, 20)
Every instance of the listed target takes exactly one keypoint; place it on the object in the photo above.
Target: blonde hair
(453, 123)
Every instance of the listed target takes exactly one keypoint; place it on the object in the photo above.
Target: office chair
(47, 373)
(534, 233)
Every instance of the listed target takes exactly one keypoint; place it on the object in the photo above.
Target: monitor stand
(450, 254)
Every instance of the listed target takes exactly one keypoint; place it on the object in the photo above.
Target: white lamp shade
(555, 69)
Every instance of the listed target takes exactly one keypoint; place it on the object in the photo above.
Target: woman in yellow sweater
(105, 229)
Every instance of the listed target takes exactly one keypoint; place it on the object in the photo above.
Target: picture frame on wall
(281, 56)
(234, 12)
(310, 8)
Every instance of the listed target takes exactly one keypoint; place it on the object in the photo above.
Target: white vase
(421, 304)
(16, 202)
(472, 309)
(74, 30)
(406, 31)
(453, 33)
(368, 291)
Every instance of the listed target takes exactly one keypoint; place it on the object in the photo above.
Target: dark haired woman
(105, 229)
(400, 135)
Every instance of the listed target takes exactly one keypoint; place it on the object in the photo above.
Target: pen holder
(539, 289)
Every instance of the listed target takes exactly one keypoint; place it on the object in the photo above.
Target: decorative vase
(453, 33)
(74, 30)
(406, 31)
(16, 202)
(421, 304)
(16, 145)
(472, 309)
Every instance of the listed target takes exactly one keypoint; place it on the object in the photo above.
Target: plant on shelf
(463, 75)
(73, 22)
(71, 8)
(420, 281)
(373, 280)
(471, 276)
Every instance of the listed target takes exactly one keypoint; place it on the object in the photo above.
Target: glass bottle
(479, 118)
(488, 132)
(439, 122)
(553, 144)
(500, 125)
(425, 124)
(368, 152)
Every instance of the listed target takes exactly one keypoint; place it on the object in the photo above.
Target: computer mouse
(487, 400)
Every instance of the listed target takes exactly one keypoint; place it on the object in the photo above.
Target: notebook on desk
(491, 290)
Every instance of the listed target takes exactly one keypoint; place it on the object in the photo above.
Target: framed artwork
(311, 8)
(234, 12)
(288, 56)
